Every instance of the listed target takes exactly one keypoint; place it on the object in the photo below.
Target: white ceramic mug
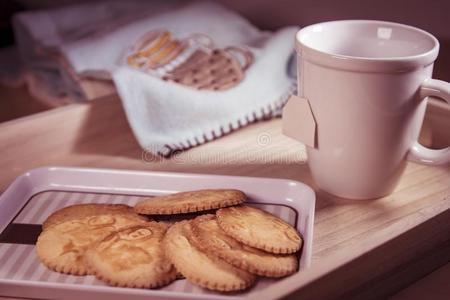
(362, 86)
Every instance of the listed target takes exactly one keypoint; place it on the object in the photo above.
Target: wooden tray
(362, 249)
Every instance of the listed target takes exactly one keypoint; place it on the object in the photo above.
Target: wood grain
(362, 249)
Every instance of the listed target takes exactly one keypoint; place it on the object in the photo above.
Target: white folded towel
(167, 116)
(173, 113)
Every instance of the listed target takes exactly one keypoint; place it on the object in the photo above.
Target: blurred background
(432, 16)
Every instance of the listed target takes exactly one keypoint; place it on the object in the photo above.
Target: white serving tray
(36, 194)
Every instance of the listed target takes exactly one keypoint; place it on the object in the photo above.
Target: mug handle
(419, 153)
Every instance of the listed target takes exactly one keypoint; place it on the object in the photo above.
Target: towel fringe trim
(264, 113)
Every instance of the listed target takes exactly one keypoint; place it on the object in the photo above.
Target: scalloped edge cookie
(209, 237)
(191, 201)
(214, 273)
(106, 258)
(78, 211)
(259, 229)
(58, 249)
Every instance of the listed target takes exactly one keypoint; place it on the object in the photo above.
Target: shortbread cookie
(132, 257)
(208, 237)
(259, 229)
(193, 201)
(199, 268)
(79, 211)
(62, 246)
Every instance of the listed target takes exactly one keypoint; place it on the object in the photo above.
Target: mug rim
(360, 63)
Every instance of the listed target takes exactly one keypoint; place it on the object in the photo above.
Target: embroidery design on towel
(194, 61)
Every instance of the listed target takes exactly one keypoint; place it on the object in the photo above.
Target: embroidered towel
(166, 117)
(191, 74)
(186, 72)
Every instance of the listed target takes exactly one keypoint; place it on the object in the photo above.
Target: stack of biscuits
(224, 249)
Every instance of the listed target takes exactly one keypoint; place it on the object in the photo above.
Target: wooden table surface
(361, 249)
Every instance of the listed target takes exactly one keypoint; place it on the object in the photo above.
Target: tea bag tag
(299, 122)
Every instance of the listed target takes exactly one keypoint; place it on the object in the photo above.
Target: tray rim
(37, 181)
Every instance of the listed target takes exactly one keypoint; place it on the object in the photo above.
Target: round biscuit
(210, 238)
(199, 268)
(132, 257)
(79, 211)
(259, 229)
(192, 201)
(62, 246)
